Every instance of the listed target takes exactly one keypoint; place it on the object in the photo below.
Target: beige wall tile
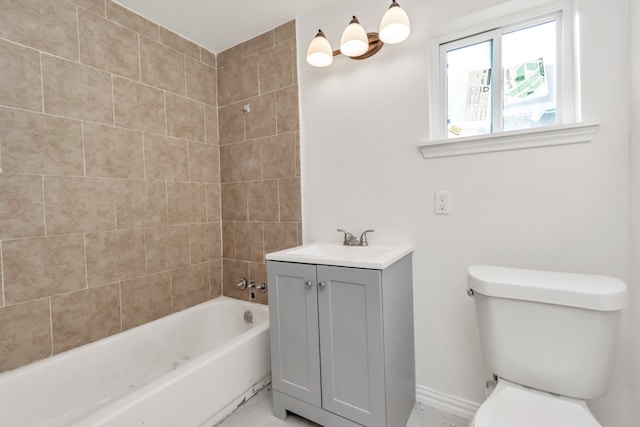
(247, 160)
(145, 299)
(85, 316)
(108, 46)
(289, 195)
(287, 109)
(166, 158)
(25, 333)
(77, 205)
(95, 6)
(278, 156)
(114, 255)
(211, 125)
(21, 210)
(140, 203)
(257, 44)
(204, 162)
(187, 202)
(213, 202)
(75, 90)
(284, 32)
(44, 266)
(229, 56)
(228, 239)
(263, 200)
(226, 163)
(48, 25)
(231, 123)
(279, 236)
(261, 121)
(249, 241)
(138, 106)
(300, 240)
(40, 144)
(276, 68)
(232, 272)
(185, 118)
(129, 19)
(296, 139)
(234, 202)
(201, 82)
(20, 84)
(171, 39)
(215, 278)
(294, 60)
(258, 274)
(238, 81)
(162, 66)
(189, 286)
(112, 152)
(166, 247)
(207, 57)
(205, 241)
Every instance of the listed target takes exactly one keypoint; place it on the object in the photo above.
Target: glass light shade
(394, 27)
(354, 41)
(319, 53)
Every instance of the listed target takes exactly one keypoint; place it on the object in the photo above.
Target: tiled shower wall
(109, 189)
(259, 152)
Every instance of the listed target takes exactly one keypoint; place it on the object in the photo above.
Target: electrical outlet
(442, 204)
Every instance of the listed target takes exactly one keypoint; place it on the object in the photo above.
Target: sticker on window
(478, 95)
(526, 80)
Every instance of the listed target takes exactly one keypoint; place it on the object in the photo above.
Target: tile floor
(256, 412)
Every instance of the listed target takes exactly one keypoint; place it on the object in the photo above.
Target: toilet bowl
(550, 338)
(512, 405)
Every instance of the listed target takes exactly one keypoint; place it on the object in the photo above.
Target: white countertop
(375, 257)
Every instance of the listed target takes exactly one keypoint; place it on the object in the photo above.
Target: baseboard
(445, 402)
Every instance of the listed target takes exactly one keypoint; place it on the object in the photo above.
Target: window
(505, 79)
(501, 80)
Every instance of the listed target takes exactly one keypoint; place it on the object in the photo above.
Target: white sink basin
(329, 253)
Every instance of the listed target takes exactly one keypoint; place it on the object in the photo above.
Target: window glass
(529, 65)
(468, 90)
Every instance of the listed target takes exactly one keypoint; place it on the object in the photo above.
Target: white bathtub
(191, 368)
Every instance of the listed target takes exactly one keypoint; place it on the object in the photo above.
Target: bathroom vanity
(341, 328)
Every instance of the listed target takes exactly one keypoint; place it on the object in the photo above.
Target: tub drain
(248, 316)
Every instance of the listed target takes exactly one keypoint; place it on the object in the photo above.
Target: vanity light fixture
(356, 43)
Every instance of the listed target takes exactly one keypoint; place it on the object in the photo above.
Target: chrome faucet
(351, 240)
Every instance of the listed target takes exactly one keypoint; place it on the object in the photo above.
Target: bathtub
(191, 368)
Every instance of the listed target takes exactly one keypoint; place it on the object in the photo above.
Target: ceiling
(220, 24)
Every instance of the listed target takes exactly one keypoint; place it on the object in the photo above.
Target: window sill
(513, 140)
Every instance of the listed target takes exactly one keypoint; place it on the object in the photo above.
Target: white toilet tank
(551, 331)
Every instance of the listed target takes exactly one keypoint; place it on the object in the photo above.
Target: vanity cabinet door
(351, 343)
(293, 319)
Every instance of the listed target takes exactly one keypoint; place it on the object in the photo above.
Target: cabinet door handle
(321, 284)
(307, 283)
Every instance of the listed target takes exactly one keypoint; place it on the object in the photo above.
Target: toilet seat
(513, 405)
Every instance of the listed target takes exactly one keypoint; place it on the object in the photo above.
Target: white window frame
(504, 18)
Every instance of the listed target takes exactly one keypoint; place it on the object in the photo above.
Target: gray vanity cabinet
(342, 343)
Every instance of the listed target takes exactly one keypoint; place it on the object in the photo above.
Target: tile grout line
(120, 303)
(51, 323)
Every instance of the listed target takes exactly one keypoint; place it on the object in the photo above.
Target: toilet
(549, 338)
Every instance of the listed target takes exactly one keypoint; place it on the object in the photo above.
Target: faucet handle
(347, 236)
(363, 237)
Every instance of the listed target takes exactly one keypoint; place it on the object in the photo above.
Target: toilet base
(512, 404)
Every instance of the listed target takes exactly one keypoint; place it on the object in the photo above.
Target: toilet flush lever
(470, 292)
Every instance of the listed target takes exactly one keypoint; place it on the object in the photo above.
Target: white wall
(560, 208)
(634, 25)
